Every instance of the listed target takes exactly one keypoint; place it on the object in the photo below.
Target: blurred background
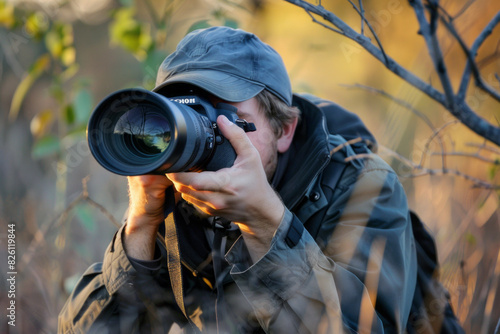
(59, 58)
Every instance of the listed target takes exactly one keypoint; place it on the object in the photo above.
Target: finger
(206, 207)
(236, 136)
(204, 181)
(153, 184)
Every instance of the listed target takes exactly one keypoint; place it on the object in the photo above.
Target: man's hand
(146, 210)
(241, 193)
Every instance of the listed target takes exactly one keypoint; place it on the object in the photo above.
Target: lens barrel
(135, 132)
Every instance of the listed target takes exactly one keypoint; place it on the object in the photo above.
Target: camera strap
(221, 226)
(174, 261)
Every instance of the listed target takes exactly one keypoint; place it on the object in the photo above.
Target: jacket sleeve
(114, 297)
(361, 279)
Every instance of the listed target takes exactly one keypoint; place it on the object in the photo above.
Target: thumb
(236, 135)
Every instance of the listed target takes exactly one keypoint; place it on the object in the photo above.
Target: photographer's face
(264, 139)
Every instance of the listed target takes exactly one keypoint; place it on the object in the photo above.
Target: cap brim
(225, 86)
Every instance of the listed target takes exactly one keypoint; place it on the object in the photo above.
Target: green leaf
(130, 39)
(40, 65)
(46, 146)
(492, 172)
(69, 114)
(124, 30)
(7, 17)
(130, 34)
(83, 106)
(59, 42)
(69, 72)
(68, 56)
(84, 215)
(199, 25)
(36, 25)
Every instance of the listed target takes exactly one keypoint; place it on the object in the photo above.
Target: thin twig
(469, 155)
(484, 147)
(406, 105)
(363, 19)
(324, 25)
(473, 52)
(103, 211)
(429, 140)
(471, 62)
(490, 58)
(423, 171)
(401, 102)
(428, 31)
(44, 229)
(60, 219)
(463, 9)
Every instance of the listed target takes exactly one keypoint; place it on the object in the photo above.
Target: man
(304, 255)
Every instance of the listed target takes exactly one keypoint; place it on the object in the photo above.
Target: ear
(287, 136)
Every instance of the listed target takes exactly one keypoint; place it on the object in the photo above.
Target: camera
(136, 131)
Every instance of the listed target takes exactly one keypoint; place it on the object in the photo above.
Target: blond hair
(276, 111)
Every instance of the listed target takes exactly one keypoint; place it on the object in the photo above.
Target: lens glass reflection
(144, 131)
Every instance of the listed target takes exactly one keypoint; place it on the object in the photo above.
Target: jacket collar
(307, 156)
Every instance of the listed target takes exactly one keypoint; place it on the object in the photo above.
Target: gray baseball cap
(231, 64)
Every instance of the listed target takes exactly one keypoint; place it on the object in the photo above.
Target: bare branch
(418, 113)
(471, 55)
(363, 19)
(457, 107)
(43, 230)
(60, 219)
(428, 31)
(363, 41)
(477, 124)
(402, 103)
(490, 58)
(429, 140)
(469, 155)
(103, 211)
(484, 147)
(422, 171)
(324, 25)
(472, 63)
(463, 9)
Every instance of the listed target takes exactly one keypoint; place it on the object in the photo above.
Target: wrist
(258, 235)
(139, 238)
(145, 222)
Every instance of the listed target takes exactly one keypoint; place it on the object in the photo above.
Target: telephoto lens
(135, 132)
